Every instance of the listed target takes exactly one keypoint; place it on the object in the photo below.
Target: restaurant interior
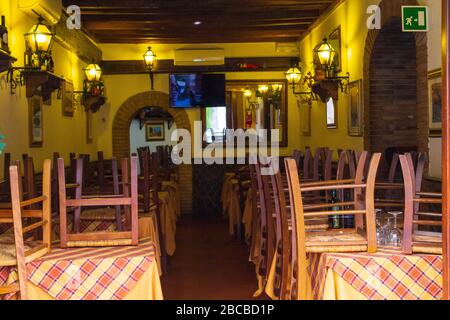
(224, 150)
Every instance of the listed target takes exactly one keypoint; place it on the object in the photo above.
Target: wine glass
(395, 235)
(380, 231)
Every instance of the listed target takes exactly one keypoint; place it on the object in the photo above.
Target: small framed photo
(67, 99)
(154, 131)
(35, 122)
(435, 102)
(331, 114)
(355, 108)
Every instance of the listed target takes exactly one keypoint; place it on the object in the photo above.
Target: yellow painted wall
(352, 17)
(121, 87)
(61, 134)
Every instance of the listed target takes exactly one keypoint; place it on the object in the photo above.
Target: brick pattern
(121, 134)
(395, 80)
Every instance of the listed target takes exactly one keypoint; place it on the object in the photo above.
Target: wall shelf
(41, 83)
(5, 60)
(93, 103)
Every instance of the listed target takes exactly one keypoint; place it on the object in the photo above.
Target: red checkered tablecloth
(381, 276)
(87, 273)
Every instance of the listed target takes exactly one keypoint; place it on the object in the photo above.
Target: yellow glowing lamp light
(39, 38)
(149, 58)
(93, 72)
(277, 87)
(248, 93)
(293, 75)
(325, 53)
(263, 89)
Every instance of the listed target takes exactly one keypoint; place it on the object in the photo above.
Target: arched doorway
(395, 85)
(121, 134)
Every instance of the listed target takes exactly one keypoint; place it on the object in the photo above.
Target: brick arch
(390, 9)
(121, 134)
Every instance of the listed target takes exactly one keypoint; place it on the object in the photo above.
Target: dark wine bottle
(334, 221)
(4, 35)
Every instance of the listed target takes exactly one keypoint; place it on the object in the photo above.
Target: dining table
(106, 273)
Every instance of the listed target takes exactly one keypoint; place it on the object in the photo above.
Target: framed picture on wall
(355, 108)
(305, 114)
(67, 99)
(331, 114)
(35, 122)
(435, 102)
(154, 131)
(89, 133)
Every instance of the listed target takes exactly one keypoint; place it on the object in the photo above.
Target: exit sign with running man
(415, 18)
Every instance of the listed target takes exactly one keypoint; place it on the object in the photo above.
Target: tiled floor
(208, 264)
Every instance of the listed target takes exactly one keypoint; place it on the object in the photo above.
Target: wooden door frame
(446, 146)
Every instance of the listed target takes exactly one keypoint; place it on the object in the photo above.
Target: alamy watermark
(236, 147)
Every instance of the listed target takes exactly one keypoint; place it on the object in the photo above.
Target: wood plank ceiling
(173, 21)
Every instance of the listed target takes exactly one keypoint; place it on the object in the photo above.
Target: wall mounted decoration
(435, 102)
(154, 131)
(35, 121)
(335, 41)
(355, 108)
(67, 99)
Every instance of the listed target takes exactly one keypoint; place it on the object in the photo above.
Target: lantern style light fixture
(92, 84)
(149, 60)
(294, 77)
(325, 56)
(39, 42)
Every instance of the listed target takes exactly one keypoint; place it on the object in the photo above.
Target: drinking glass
(395, 235)
(380, 231)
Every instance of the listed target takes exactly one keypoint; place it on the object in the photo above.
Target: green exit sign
(415, 18)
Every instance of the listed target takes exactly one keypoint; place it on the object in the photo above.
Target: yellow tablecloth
(126, 273)
(386, 275)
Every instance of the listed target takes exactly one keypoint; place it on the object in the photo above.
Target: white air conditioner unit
(199, 57)
(50, 10)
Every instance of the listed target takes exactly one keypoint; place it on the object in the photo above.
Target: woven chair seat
(427, 244)
(427, 248)
(107, 214)
(99, 243)
(335, 241)
(8, 250)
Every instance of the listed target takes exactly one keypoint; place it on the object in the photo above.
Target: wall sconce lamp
(37, 56)
(93, 88)
(325, 55)
(149, 60)
(294, 77)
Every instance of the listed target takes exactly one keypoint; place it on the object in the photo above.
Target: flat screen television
(197, 90)
(185, 90)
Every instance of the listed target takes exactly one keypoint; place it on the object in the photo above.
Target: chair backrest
(128, 199)
(267, 228)
(307, 165)
(19, 213)
(413, 198)
(297, 156)
(363, 206)
(282, 233)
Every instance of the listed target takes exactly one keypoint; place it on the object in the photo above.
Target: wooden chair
(415, 240)
(267, 231)
(297, 156)
(148, 188)
(128, 198)
(307, 172)
(110, 213)
(20, 249)
(348, 240)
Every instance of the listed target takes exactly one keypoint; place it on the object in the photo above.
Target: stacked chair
(291, 211)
